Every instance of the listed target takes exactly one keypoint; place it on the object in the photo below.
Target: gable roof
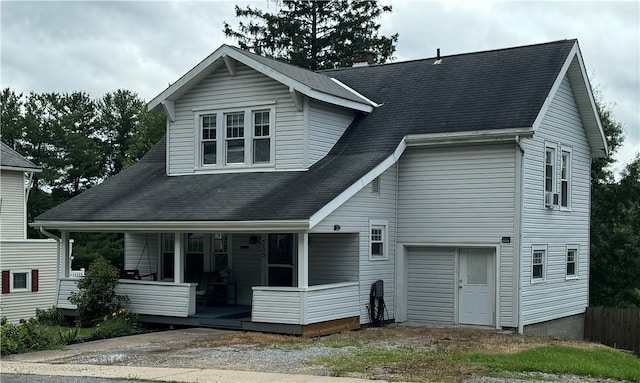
(12, 160)
(477, 93)
(298, 79)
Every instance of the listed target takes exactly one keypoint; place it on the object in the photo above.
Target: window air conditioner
(551, 199)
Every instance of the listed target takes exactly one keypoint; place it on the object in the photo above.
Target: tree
(315, 34)
(12, 119)
(615, 219)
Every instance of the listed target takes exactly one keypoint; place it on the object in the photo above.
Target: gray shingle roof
(479, 91)
(11, 159)
(304, 76)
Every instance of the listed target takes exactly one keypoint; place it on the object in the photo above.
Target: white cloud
(98, 47)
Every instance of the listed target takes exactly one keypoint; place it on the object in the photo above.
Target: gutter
(59, 241)
(169, 226)
(476, 136)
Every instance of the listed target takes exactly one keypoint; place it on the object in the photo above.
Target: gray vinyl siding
(141, 252)
(247, 264)
(24, 256)
(353, 217)
(326, 125)
(431, 285)
(333, 258)
(220, 90)
(557, 297)
(12, 205)
(462, 196)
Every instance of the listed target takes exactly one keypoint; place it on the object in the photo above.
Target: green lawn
(597, 362)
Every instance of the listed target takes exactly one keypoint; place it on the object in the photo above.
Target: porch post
(303, 259)
(65, 254)
(178, 255)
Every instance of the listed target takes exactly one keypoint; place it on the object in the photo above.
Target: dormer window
(245, 138)
(234, 124)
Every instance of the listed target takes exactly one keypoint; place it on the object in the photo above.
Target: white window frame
(203, 140)
(242, 138)
(536, 249)
(553, 149)
(576, 262)
(261, 137)
(569, 172)
(384, 225)
(221, 138)
(28, 282)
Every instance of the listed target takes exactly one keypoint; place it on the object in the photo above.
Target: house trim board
(178, 226)
(18, 169)
(517, 246)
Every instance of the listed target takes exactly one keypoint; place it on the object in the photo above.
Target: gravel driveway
(227, 350)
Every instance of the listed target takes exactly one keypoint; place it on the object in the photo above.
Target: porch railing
(144, 297)
(303, 306)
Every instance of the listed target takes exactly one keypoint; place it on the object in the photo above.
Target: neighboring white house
(461, 182)
(28, 265)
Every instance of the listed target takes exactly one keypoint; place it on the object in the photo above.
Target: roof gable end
(12, 160)
(574, 69)
(298, 80)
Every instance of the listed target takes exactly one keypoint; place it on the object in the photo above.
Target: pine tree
(315, 34)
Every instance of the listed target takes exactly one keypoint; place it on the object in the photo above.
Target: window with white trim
(234, 137)
(239, 137)
(572, 261)
(538, 263)
(20, 281)
(261, 137)
(550, 170)
(565, 179)
(378, 239)
(209, 139)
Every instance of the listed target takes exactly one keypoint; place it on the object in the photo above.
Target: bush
(118, 323)
(96, 297)
(51, 317)
(28, 335)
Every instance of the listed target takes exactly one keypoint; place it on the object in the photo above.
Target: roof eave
(190, 79)
(575, 69)
(175, 226)
(474, 136)
(20, 169)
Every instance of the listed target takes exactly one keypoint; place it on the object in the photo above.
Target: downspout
(519, 213)
(58, 260)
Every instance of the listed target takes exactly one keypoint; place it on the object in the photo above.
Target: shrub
(118, 323)
(52, 316)
(28, 335)
(96, 297)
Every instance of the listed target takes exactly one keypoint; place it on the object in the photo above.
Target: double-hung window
(209, 136)
(378, 239)
(550, 170)
(538, 263)
(565, 180)
(240, 137)
(234, 137)
(572, 262)
(261, 137)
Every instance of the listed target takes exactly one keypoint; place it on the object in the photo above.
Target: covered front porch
(287, 282)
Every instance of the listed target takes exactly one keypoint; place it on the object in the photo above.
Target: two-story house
(28, 266)
(461, 182)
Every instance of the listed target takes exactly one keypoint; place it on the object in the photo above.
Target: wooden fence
(615, 327)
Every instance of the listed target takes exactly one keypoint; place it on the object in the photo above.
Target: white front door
(476, 286)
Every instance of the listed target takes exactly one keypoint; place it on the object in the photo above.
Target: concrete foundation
(567, 328)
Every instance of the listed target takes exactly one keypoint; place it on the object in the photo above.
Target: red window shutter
(5, 281)
(34, 280)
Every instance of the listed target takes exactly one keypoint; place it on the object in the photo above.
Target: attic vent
(438, 59)
(375, 186)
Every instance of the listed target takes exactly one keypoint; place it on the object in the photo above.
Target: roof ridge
(447, 56)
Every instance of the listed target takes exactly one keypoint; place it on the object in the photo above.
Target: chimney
(364, 58)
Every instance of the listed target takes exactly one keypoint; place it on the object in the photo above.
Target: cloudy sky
(98, 47)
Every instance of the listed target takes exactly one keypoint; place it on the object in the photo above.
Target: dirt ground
(249, 351)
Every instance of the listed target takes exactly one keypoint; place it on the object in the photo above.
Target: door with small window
(476, 303)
